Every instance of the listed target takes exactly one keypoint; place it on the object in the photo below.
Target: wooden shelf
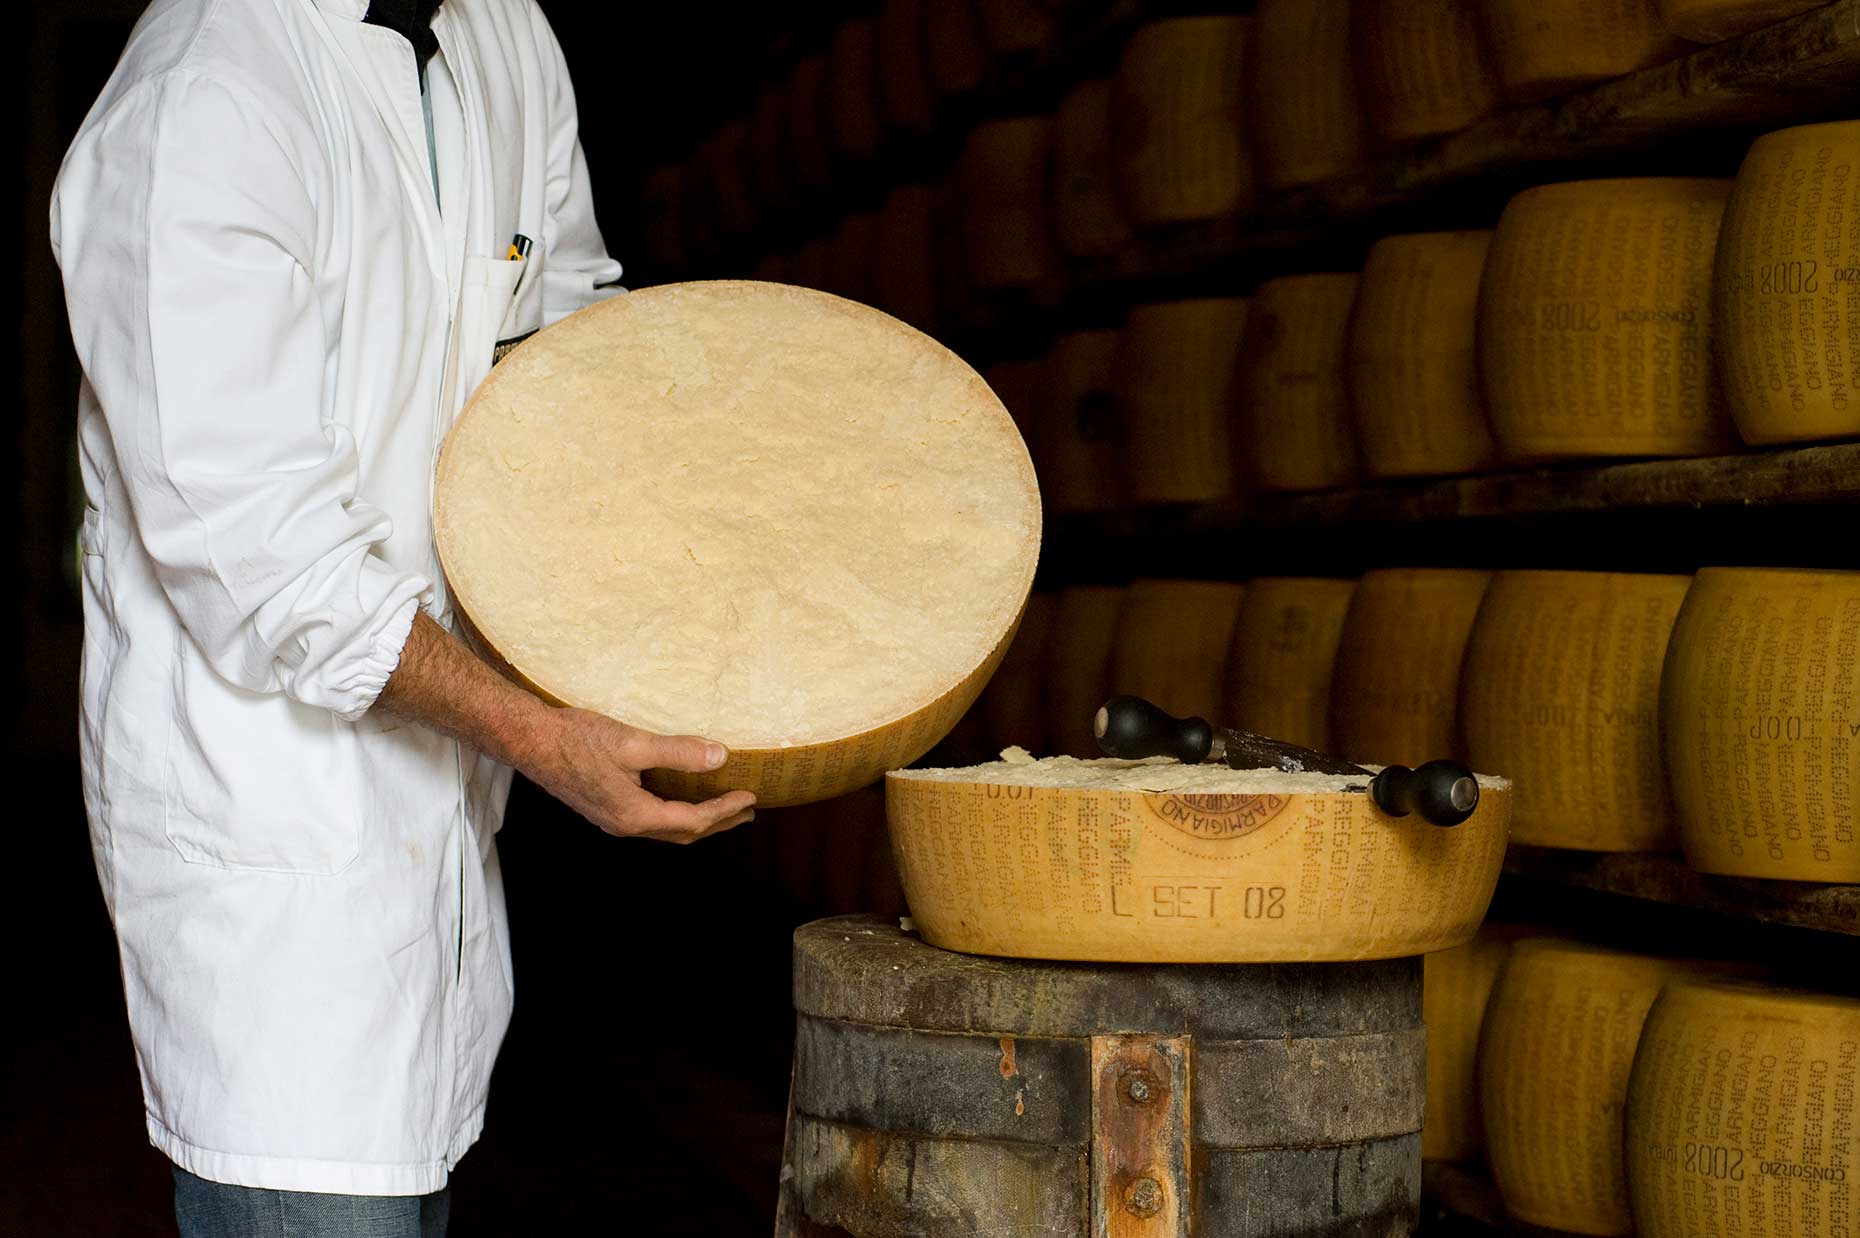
(1666, 879)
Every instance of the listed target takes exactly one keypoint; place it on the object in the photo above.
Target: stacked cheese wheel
(1456, 987)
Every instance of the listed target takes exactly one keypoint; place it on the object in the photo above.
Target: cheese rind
(1161, 862)
(1176, 392)
(1301, 91)
(1180, 146)
(1757, 720)
(1284, 650)
(1456, 985)
(1560, 690)
(1294, 405)
(1420, 68)
(1542, 48)
(747, 511)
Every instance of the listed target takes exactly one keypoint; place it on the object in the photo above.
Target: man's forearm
(440, 683)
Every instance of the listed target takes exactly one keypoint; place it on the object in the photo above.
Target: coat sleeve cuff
(369, 675)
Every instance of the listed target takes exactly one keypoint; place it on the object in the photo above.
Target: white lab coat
(277, 326)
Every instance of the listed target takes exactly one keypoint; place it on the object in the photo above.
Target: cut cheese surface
(1455, 988)
(1740, 1113)
(1176, 392)
(1284, 649)
(1420, 67)
(1155, 861)
(1542, 48)
(1560, 691)
(1078, 666)
(1172, 643)
(1554, 1055)
(1595, 321)
(1412, 360)
(1708, 21)
(1758, 717)
(1301, 91)
(1179, 138)
(1784, 306)
(746, 511)
(1294, 405)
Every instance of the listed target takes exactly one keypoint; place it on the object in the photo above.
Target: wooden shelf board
(1666, 879)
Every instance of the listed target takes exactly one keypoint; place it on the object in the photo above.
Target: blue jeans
(215, 1210)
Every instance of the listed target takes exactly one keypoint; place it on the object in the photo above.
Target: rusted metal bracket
(1139, 1146)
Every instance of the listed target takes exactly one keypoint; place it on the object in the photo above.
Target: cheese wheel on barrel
(904, 280)
(1554, 1056)
(1784, 306)
(1014, 704)
(1542, 48)
(1740, 1113)
(1595, 321)
(1395, 690)
(1456, 985)
(1175, 392)
(1420, 68)
(1001, 176)
(1172, 643)
(1160, 862)
(1709, 21)
(1294, 406)
(1080, 444)
(852, 89)
(1179, 146)
(1087, 221)
(1078, 665)
(1301, 91)
(1284, 650)
(1560, 691)
(1412, 361)
(1758, 718)
(746, 511)
(809, 153)
(904, 91)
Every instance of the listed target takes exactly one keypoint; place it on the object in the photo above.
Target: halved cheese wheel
(1709, 21)
(1159, 862)
(1741, 1114)
(1293, 404)
(1560, 691)
(1172, 643)
(1179, 138)
(1301, 91)
(1456, 984)
(1554, 1056)
(1078, 665)
(747, 511)
(1420, 68)
(1542, 48)
(1284, 649)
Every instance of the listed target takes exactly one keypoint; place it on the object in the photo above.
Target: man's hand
(589, 762)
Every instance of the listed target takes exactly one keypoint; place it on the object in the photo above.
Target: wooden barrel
(1081, 441)
(1543, 48)
(939, 1094)
(810, 155)
(904, 269)
(1395, 691)
(1087, 220)
(1709, 21)
(1293, 408)
(905, 96)
(1001, 175)
(852, 90)
(1284, 649)
(1177, 112)
(1175, 392)
(1078, 666)
(1420, 67)
(958, 56)
(852, 253)
(1014, 703)
(1172, 642)
(1413, 360)
(1301, 92)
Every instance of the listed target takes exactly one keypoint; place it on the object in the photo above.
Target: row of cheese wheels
(1632, 712)
(1199, 113)
(1615, 1093)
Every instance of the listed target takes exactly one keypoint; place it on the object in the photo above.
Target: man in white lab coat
(293, 235)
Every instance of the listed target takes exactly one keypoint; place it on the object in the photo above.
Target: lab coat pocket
(257, 780)
(488, 312)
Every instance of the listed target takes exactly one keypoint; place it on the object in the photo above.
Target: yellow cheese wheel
(1179, 138)
(1087, 221)
(1395, 689)
(1708, 21)
(1456, 985)
(1560, 692)
(904, 92)
(1784, 309)
(1014, 705)
(1541, 48)
(904, 280)
(830, 621)
(1760, 716)
(1079, 448)
(852, 252)
(1554, 1057)
(1078, 665)
(1595, 321)
(1740, 1113)
(1284, 649)
(1001, 175)
(1294, 405)
(1420, 68)
(809, 152)
(1301, 92)
(957, 55)
(1175, 394)
(1412, 362)
(1159, 862)
(1172, 643)
(852, 89)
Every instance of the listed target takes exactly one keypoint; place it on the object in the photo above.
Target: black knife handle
(1130, 729)
(1444, 792)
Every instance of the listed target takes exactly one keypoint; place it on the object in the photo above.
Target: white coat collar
(354, 10)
